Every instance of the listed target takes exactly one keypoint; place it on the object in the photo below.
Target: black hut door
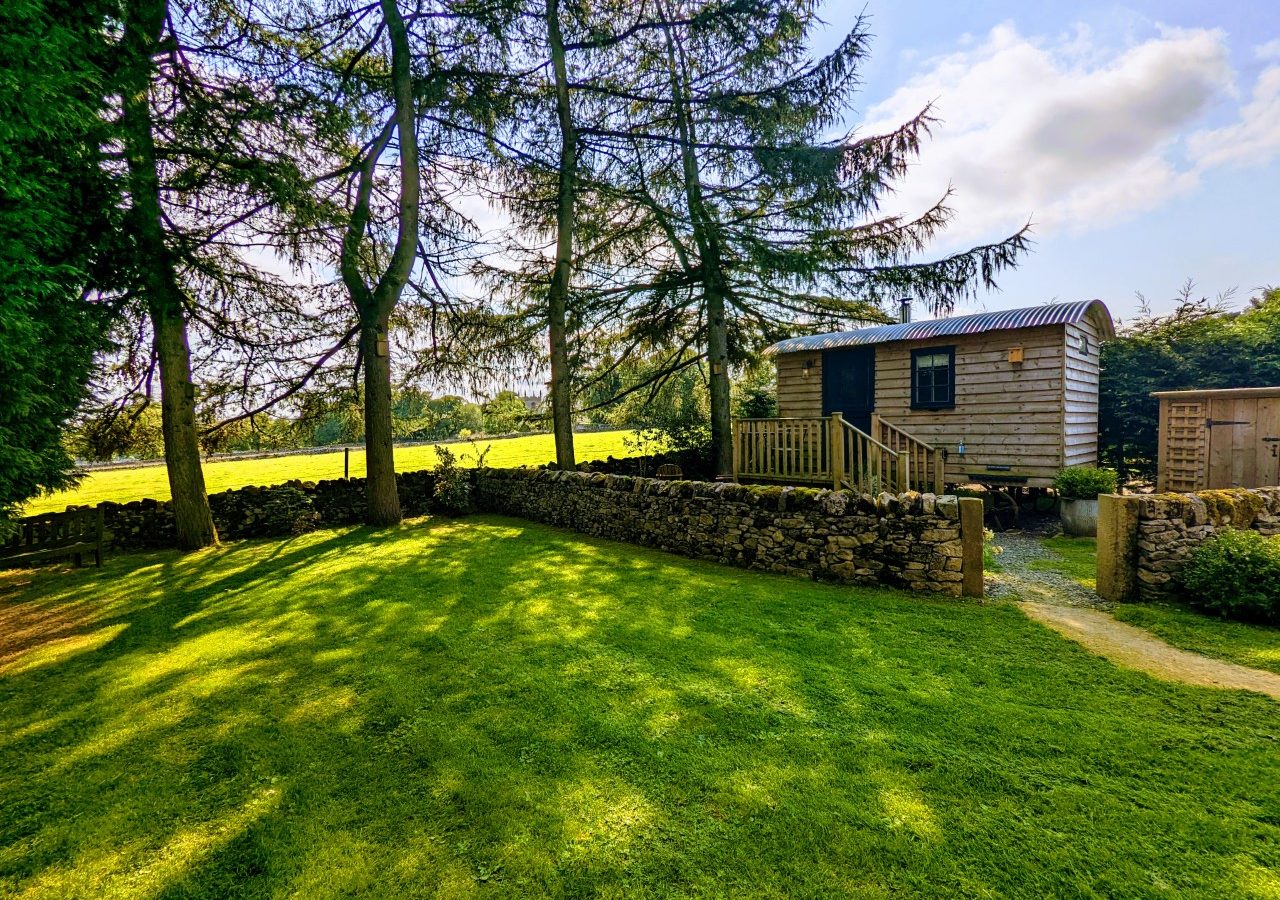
(849, 384)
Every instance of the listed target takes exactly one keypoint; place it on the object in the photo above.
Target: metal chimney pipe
(904, 310)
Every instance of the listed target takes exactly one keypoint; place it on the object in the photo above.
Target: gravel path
(1019, 580)
(1076, 612)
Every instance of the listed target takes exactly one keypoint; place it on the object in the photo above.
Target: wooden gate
(1219, 439)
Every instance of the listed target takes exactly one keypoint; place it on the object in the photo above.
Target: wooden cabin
(1001, 398)
(1219, 439)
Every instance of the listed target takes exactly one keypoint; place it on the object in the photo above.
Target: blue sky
(1143, 139)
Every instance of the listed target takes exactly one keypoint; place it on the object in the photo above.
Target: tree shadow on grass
(489, 706)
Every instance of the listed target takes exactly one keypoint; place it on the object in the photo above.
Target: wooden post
(835, 436)
(971, 538)
(346, 462)
(939, 472)
(1162, 448)
(737, 451)
(875, 426)
(903, 471)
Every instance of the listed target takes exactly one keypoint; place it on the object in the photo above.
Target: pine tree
(765, 221)
(55, 221)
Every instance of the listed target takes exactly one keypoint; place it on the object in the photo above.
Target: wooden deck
(829, 451)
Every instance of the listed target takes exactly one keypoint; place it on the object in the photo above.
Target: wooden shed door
(1244, 442)
(1184, 451)
(849, 384)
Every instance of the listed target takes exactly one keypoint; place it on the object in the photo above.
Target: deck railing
(829, 450)
(922, 466)
(868, 466)
(789, 450)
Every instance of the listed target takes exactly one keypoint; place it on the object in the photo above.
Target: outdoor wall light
(807, 367)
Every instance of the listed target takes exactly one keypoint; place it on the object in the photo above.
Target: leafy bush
(1084, 483)
(1236, 574)
(452, 492)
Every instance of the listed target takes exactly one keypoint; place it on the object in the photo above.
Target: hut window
(933, 378)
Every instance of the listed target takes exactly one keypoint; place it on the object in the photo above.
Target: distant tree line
(263, 220)
(415, 416)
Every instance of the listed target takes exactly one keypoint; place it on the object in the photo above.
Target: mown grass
(123, 485)
(1190, 629)
(1177, 624)
(1075, 557)
(492, 708)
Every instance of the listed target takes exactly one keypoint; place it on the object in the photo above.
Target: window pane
(931, 381)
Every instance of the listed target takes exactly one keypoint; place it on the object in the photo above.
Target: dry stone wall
(911, 540)
(1143, 542)
(277, 511)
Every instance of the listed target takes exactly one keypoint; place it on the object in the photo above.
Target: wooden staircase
(831, 452)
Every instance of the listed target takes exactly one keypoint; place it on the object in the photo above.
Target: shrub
(1236, 574)
(1084, 483)
(452, 492)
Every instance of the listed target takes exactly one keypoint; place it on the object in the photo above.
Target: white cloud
(1253, 140)
(1061, 130)
(1269, 50)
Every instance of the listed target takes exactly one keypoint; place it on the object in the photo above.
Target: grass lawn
(1077, 559)
(493, 708)
(122, 485)
(1176, 624)
(1190, 629)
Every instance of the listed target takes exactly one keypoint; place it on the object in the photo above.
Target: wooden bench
(72, 533)
(669, 471)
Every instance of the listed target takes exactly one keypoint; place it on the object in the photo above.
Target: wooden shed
(1009, 397)
(1219, 439)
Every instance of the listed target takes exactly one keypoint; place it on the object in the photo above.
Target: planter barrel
(1080, 517)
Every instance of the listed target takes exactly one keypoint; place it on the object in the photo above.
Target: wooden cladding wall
(1006, 414)
(1219, 439)
(1080, 366)
(799, 395)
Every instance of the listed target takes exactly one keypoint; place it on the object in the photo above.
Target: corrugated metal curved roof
(1030, 317)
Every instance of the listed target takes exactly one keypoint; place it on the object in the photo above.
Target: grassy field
(122, 485)
(487, 707)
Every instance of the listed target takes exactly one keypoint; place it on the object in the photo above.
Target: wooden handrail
(794, 450)
(922, 467)
(869, 466)
(833, 451)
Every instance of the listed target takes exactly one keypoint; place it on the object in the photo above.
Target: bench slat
(68, 533)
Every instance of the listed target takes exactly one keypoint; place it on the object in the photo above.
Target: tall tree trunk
(718, 362)
(715, 287)
(381, 495)
(558, 295)
(143, 24)
(374, 307)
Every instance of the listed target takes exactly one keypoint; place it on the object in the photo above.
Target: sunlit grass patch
(123, 485)
(491, 707)
(1250, 645)
(1075, 557)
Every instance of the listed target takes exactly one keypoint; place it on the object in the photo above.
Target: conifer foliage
(673, 181)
